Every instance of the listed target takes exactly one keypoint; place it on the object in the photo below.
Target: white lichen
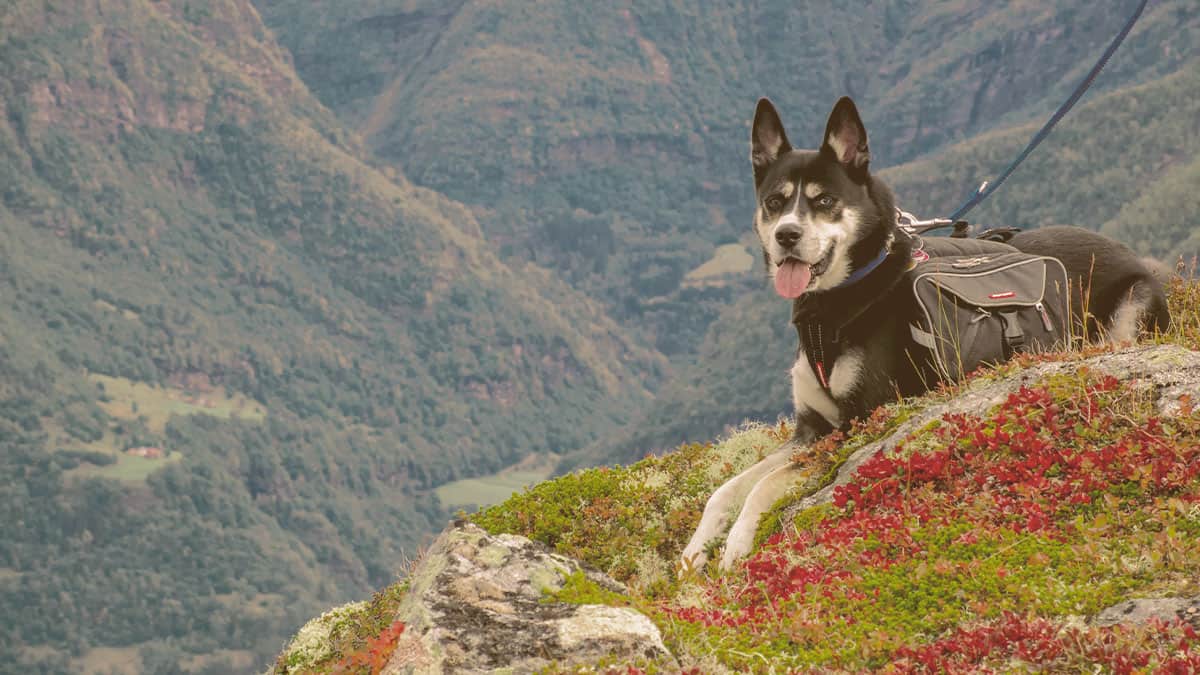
(313, 643)
(742, 448)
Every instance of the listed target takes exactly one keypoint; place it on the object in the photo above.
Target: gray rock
(476, 604)
(1165, 372)
(1142, 610)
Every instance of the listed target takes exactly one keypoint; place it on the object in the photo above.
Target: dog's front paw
(766, 492)
(693, 558)
(739, 543)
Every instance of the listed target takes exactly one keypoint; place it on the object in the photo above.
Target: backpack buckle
(1014, 337)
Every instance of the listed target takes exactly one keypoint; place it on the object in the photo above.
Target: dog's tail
(1143, 308)
(1158, 269)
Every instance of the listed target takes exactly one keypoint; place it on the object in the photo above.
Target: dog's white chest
(843, 375)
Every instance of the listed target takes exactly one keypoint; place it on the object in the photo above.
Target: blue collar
(862, 272)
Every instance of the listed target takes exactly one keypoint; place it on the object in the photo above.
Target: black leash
(986, 189)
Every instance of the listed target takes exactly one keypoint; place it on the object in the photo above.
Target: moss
(578, 589)
(631, 522)
(314, 642)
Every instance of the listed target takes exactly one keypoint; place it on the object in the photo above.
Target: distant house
(147, 451)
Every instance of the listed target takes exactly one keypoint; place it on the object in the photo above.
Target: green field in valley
(495, 488)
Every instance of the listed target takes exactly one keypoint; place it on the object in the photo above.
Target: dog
(832, 245)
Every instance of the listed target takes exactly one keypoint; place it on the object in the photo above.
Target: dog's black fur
(873, 314)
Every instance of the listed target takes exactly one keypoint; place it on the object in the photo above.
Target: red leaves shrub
(373, 655)
(963, 511)
(1039, 641)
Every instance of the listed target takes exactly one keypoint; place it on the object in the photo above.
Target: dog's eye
(773, 203)
(824, 201)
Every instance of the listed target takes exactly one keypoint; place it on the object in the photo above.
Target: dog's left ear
(846, 137)
(767, 138)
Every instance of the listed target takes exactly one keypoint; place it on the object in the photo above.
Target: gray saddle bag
(981, 309)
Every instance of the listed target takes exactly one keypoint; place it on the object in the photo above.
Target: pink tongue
(792, 278)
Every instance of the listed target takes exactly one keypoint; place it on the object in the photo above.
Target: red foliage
(374, 655)
(1040, 641)
(1031, 468)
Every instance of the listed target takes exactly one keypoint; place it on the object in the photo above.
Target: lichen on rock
(479, 603)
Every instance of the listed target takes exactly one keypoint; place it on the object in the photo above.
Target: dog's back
(1115, 295)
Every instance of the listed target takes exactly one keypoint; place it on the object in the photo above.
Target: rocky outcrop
(479, 604)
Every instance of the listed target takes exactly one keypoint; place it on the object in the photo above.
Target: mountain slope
(201, 263)
(607, 141)
(1120, 163)
(1137, 143)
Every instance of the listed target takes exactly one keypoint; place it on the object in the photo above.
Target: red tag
(821, 374)
(1001, 296)
(919, 256)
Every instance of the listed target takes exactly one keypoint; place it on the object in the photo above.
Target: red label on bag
(1001, 296)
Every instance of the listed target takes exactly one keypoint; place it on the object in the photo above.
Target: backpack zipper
(1045, 317)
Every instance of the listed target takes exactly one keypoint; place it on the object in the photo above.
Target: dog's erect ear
(846, 137)
(767, 139)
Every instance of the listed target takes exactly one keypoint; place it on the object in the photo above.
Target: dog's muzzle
(818, 268)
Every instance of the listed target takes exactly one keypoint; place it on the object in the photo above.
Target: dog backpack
(973, 310)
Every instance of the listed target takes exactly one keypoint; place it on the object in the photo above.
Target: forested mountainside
(607, 141)
(235, 355)
(1124, 163)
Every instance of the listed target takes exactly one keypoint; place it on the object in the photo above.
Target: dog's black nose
(787, 236)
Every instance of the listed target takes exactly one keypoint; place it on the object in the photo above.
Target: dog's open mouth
(793, 276)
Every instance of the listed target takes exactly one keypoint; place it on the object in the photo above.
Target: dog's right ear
(846, 137)
(767, 139)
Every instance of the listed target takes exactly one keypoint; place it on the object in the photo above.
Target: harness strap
(817, 350)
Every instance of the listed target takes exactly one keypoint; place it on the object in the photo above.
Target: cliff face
(1047, 513)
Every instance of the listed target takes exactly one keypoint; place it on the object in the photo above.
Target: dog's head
(817, 211)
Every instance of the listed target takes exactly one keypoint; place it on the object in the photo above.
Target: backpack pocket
(981, 310)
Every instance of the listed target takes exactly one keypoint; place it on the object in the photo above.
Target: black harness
(822, 319)
(821, 340)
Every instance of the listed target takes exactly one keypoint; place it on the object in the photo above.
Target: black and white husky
(831, 244)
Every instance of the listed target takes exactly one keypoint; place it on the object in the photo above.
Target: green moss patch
(631, 522)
